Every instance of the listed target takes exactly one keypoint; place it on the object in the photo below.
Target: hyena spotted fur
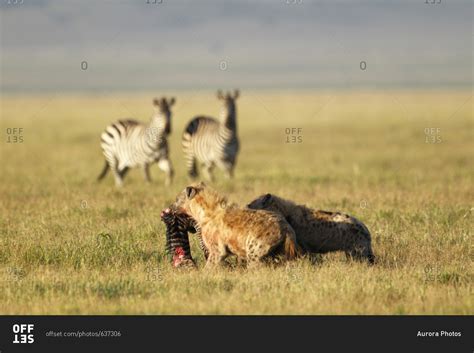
(321, 231)
(226, 229)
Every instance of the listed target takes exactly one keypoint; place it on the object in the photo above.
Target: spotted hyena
(251, 235)
(321, 231)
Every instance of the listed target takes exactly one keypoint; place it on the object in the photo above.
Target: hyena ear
(220, 95)
(236, 93)
(266, 199)
(171, 101)
(190, 192)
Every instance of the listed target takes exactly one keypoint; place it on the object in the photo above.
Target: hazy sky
(132, 45)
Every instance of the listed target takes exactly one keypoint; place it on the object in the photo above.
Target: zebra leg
(104, 171)
(165, 165)
(124, 172)
(146, 172)
(207, 171)
(228, 169)
(118, 175)
(192, 167)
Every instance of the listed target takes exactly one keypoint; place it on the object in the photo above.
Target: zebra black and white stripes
(213, 142)
(177, 240)
(129, 144)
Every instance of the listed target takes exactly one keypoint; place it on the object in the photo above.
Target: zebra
(177, 241)
(178, 224)
(129, 143)
(213, 142)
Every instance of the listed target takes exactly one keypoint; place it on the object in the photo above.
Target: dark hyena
(321, 231)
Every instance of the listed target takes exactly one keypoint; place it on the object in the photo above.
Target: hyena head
(271, 202)
(199, 200)
(162, 108)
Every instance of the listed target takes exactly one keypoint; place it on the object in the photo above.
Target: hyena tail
(104, 171)
(291, 248)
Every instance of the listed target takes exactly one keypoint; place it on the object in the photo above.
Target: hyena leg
(241, 261)
(256, 252)
(146, 172)
(253, 262)
(214, 260)
(217, 255)
(166, 166)
(362, 251)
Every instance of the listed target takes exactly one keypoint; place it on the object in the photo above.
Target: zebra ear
(156, 102)
(190, 192)
(220, 95)
(171, 101)
(236, 94)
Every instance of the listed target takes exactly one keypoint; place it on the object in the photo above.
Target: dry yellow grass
(71, 246)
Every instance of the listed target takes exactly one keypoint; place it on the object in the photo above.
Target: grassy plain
(71, 246)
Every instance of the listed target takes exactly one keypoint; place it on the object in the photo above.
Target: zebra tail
(104, 171)
(191, 164)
